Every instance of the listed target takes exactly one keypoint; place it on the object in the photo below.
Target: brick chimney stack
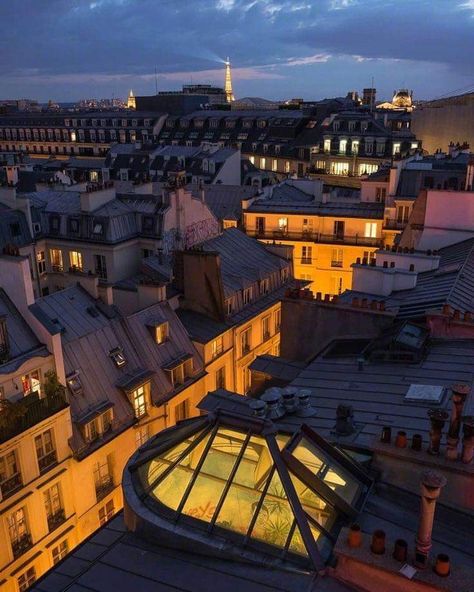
(431, 485)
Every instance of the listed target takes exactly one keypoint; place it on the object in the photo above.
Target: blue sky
(71, 49)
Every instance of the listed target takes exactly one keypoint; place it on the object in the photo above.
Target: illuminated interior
(282, 494)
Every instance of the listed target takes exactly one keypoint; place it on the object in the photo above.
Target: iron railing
(316, 237)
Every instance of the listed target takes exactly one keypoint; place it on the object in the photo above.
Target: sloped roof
(225, 201)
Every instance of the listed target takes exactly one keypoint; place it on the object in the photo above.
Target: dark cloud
(68, 49)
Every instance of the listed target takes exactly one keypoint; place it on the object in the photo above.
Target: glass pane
(321, 465)
(275, 517)
(151, 470)
(215, 471)
(170, 491)
(296, 543)
(313, 504)
(246, 489)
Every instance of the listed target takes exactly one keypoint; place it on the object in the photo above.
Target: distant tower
(131, 104)
(228, 82)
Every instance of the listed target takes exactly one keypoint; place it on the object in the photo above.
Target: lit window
(306, 255)
(217, 347)
(103, 479)
(355, 147)
(337, 258)
(26, 579)
(339, 168)
(56, 258)
(275, 165)
(18, 531)
(327, 145)
(370, 230)
(396, 148)
(283, 224)
(287, 166)
(342, 146)
(31, 383)
(263, 163)
(139, 400)
(60, 551)
(162, 333)
(75, 259)
(252, 159)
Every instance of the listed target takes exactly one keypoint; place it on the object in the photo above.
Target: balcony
(56, 519)
(47, 462)
(9, 486)
(104, 487)
(306, 260)
(336, 264)
(18, 416)
(394, 224)
(21, 545)
(316, 237)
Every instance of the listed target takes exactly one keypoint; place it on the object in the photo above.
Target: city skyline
(278, 49)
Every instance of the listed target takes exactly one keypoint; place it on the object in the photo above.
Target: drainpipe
(431, 485)
(460, 393)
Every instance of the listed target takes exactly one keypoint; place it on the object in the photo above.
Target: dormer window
(247, 296)
(352, 126)
(180, 369)
(98, 228)
(229, 306)
(74, 383)
(118, 357)
(54, 223)
(335, 126)
(265, 286)
(97, 427)
(160, 331)
(73, 225)
(148, 224)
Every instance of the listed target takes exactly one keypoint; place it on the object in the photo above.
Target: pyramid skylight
(243, 481)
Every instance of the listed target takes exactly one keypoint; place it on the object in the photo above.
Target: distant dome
(402, 98)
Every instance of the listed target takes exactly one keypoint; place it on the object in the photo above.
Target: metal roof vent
(258, 407)
(304, 408)
(272, 398)
(290, 401)
(425, 394)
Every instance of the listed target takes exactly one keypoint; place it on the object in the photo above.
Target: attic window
(118, 357)
(98, 228)
(161, 332)
(265, 286)
(148, 223)
(74, 383)
(99, 426)
(247, 295)
(54, 222)
(425, 393)
(73, 225)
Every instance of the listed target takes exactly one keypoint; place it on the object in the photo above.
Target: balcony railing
(104, 487)
(9, 486)
(21, 545)
(306, 260)
(17, 417)
(394, 224)
(47, 461)
(336, 264)
(56, 519)
(316, 237)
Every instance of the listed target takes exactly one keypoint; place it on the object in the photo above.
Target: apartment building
(93, 230)
(76, 133)
(328, 230)
(37, 509)
(73, 411)
(232, 288)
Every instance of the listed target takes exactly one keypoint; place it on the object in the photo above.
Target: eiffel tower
(228, 82)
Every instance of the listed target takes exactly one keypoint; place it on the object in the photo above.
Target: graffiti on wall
(200, 231)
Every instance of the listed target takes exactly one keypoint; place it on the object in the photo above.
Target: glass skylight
(279, 494)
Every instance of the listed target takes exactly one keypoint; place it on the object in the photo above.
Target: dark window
(428, 182)
(15, 229)
(148, 223)
(73, 225)
(54, 223)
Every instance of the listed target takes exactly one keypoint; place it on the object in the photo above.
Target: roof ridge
(460, 272)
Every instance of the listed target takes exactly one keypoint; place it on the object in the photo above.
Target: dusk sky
(70, 49)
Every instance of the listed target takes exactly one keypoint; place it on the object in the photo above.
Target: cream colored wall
(31, 497)
(257, 345)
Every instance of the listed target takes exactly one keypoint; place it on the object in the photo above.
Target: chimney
(431, 485)
(460, 393)
(438, 418)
